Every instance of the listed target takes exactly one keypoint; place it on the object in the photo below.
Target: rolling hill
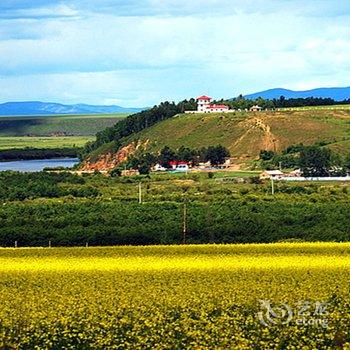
(337, 93)
(58, 125)
(244, 134)
(50, 108)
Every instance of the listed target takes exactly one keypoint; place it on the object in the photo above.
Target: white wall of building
(203, 105)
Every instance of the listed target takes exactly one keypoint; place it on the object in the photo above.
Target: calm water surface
(38, 164)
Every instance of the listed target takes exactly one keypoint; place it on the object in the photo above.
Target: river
(37, 164)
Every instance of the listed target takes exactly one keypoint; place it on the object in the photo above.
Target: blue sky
(138, 53)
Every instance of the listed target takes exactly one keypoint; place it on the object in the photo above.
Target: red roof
(178, 162)
(218, 106)
(203, 98)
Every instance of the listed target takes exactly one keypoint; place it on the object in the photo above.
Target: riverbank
(29, 153)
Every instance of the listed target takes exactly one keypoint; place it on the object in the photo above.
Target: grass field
(177, 297)
(245, 134)
(58, 125)
(238, 173)
(44, 142)
(59, 131)
(313, 108)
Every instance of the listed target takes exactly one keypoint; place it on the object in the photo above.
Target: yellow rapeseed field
(254, 296)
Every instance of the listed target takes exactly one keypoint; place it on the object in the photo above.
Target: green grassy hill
(58, 125)
(246, 133)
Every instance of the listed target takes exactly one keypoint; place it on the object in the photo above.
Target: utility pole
(272, 186)
(140, 193)
(184, 224)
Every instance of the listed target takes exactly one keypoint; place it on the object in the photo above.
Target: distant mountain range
(337, 94)
(48, 108)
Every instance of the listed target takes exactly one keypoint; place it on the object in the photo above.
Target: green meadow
(58, 125)
(44, 142)
(47, 132)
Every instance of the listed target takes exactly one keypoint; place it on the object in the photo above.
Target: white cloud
(140, 60)
(59, 10)
(51, 11)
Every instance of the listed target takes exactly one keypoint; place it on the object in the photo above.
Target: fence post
(184, 224)
(272, 186)
(140, 193)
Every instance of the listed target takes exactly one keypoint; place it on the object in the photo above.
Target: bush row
(119, 223)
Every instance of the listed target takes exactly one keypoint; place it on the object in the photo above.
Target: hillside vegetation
(245, 134)
(71, 210)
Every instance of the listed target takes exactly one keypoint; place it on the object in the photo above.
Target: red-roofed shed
(218, 106)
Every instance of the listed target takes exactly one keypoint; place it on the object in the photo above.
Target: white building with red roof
(203, 102)
(204, 105)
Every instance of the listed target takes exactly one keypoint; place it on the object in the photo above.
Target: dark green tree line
(143, 162)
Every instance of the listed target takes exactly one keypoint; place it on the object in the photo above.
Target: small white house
(203, 102)
(204, 165)
(296, 172)
(271, 174)
(217, 108)
(179, 166)
(183, 167)
(159, 167)
(255, 108)
(204, 105)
